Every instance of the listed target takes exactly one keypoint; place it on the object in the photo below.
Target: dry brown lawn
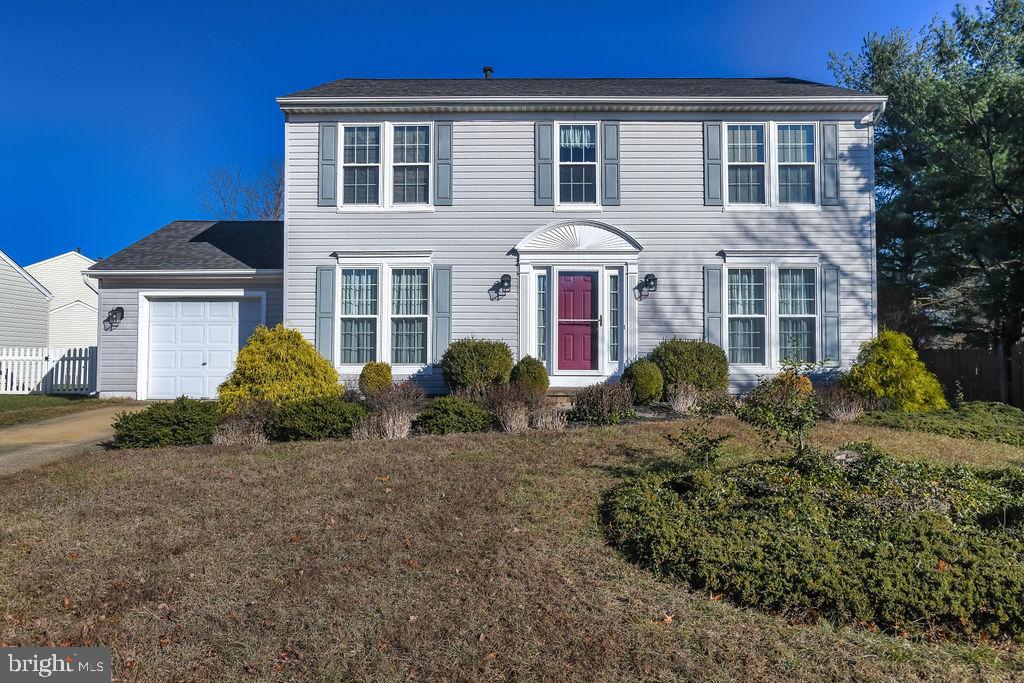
(467, 557)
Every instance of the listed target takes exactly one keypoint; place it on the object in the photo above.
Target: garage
(193, 343)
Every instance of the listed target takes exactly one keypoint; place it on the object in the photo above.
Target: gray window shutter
(323, 335)
(442, 310)
(544, 163)
(830, 315)
(443, 163)
(712, 164)
(610, 163)
(713, 313)
(829, 164)
(328, 175)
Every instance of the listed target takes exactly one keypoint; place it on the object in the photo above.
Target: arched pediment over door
(578, 237)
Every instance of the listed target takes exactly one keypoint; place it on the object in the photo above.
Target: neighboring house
(581, 221)
(25, 304)
(73, 307)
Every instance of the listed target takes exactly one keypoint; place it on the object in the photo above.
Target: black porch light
(505, 283)
(651, 282)
(114, 318)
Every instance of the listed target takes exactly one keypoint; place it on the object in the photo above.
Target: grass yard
(465, 557)
(17, 409)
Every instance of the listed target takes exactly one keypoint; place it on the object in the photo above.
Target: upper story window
(746, 164)
(411, 171)
(361, 161)
(385, 165)
(771, 164)
(577, 163)
(796, 163)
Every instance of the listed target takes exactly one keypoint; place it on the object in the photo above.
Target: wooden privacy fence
(981, 374)
(43, 370)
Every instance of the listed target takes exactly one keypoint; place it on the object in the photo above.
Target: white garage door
(193, 342)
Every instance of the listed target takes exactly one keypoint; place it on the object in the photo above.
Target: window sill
(578, 208)
(387, 209)
(777, 208)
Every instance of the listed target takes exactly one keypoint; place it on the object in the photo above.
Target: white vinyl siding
(662, 208)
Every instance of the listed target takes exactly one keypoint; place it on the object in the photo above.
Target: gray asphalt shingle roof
(204, 245)
(573, 87)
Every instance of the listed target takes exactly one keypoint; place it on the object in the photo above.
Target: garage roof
(204, 245)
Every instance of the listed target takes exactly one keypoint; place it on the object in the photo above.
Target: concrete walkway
(28, 445)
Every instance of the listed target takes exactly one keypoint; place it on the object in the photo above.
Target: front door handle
(204, 364)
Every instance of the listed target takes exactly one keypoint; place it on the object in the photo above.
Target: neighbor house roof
(572, 87)
(25, 274)
(204, 246)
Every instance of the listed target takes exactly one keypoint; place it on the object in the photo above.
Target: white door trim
(145, 296)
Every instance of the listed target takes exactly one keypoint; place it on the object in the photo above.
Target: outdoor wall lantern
(651, 282)
(505, 283)
(114, 318)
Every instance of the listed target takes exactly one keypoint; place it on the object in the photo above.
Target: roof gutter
(196, 273)
(570, 103)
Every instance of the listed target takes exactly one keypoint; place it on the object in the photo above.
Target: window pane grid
(746, 291)
(411, 172)
(577, 156)
(409, 340)
(796, 291)
(411, 184)
(746, 340)
(359, 291)
(358, 340)
(796, 339)
(796, 143)
(542, 317)
(410, 300)
(746, 144)
(614, 314)
(746, 164)
(361, 165)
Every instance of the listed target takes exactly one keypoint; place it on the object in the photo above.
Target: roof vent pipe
(488, 70)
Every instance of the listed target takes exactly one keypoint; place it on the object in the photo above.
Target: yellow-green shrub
(888, 369)
(277, 365)
(375, 377)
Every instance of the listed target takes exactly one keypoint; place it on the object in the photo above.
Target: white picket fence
(43, 370)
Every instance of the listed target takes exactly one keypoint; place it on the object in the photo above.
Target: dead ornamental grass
(465, 557)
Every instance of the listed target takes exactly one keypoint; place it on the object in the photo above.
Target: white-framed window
(410, 171)
(361, 162)
(797, 162)
(746, 163)
(798, 314)
(410, 308)
(359, 313)
(386, 165)
(543, 316)
(577, 163)
(772, 313)
(614, 317)
(384, 310)
(747, 316)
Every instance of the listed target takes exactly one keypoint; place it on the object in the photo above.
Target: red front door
(577, 321)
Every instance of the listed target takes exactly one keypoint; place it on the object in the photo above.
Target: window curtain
(358, 291)
(409, 291)
(577, 136)
(746, 292)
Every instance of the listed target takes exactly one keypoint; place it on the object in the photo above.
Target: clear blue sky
(112, 112)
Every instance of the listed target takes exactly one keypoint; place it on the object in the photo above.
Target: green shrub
(474, 364)
(861, 539)
(996, 422)
(321, 417)
(277, 365)
(781, 408)
(700, 364)
(374, 377)
(887, 369)
(181, 422)
(530, 374)
(644, 380)
(603, 404)
(450, 414)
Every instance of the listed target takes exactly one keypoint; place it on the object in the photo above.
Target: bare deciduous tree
(234, 193)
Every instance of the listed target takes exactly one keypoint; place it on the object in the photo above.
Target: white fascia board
(25, 274)
(212, 274)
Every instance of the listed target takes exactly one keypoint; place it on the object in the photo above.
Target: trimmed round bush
(531, 375)
(451, 414)
(474, 364)
(277, 365)
(857, 538)
(888, 370)
(321, 417)
(644, 380)
(700, 364)
(374, 377)
(181, 422)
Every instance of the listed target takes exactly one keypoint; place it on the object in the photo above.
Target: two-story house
(581, 221)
